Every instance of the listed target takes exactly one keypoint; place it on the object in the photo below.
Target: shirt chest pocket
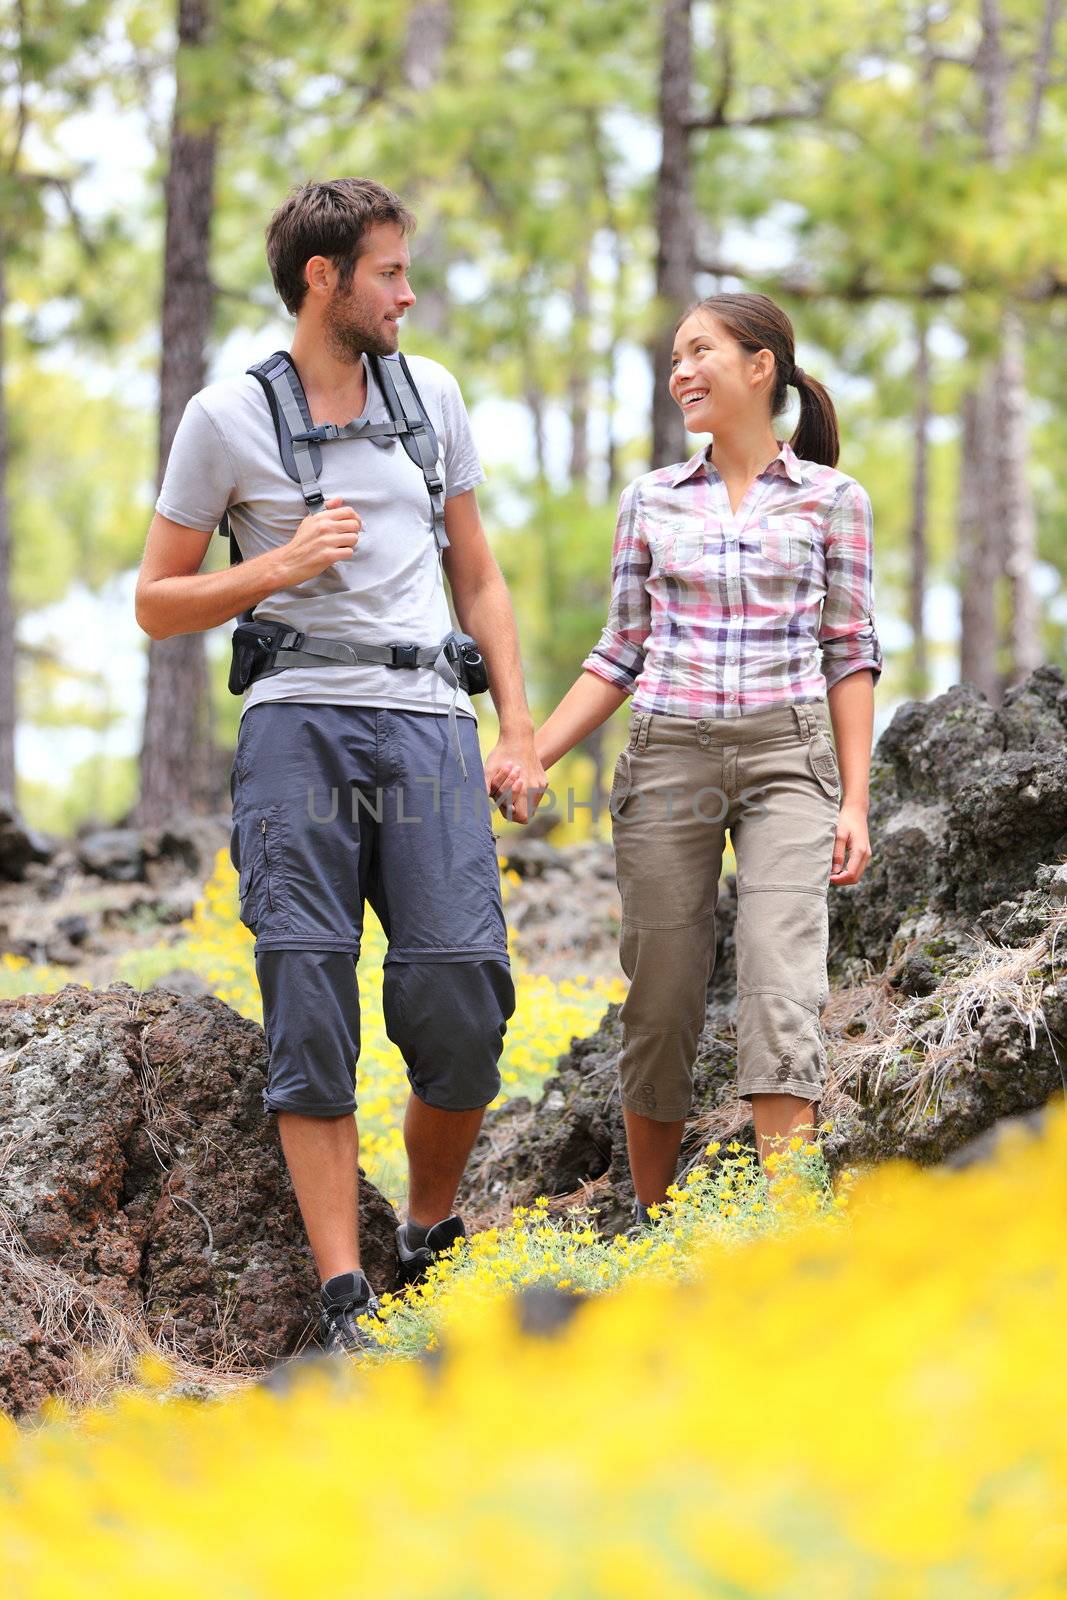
(786, 542)
(681, 550)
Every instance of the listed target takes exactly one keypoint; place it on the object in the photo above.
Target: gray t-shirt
(391, 590)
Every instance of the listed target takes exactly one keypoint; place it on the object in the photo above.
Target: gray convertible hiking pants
(334, 805)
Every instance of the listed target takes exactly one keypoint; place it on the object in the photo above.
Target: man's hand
(851, 836)
(323, 538)
(515, 777)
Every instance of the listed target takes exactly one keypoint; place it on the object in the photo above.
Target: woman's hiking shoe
(344, 1299)
(415, 1261)
(642, 1221)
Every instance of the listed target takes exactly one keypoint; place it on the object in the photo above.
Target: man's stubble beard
(349, 330)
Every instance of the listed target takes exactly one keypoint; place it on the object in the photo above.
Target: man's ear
(318, 274)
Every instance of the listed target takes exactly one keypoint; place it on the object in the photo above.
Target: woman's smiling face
(712, 378)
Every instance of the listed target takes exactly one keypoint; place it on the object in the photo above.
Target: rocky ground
(83, 904)
(142, 1194)
(143, 1198)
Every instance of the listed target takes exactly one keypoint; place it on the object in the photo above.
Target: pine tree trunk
(617, 315)
(1017, 513)
(7, 610)
(176, 746)
(978, 554)
(429, 31)
(1009, 511)
(535, 405)
(578, 376)
(919, 506)
(920, 493)
(675, 225)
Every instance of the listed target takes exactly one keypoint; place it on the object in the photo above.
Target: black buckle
(404, 655)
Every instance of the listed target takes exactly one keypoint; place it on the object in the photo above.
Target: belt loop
(806, 724)
(640, 735)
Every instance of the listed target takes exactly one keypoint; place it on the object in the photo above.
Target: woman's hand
(515, 777)
(852, 838)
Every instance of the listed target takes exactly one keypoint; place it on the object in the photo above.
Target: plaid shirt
(714, 614)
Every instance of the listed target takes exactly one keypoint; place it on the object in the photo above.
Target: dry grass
(103, 1342)
(928, 1037)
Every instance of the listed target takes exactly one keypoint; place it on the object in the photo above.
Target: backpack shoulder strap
(301, 458)
(289, 411)
(405, 405)
(281, 384)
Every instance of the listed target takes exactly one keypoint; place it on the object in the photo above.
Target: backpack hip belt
(263, 648)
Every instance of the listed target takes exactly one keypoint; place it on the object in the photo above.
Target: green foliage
(79, 486)
(528, 150)
(99, 789)
(559, 561)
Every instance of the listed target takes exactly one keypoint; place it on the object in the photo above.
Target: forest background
(893, 174)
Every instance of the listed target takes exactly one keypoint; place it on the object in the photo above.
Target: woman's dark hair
(327, 219)
(757, 323)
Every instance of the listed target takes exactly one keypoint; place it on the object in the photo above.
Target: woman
(741, 604)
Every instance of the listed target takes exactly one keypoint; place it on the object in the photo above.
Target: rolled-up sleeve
(619, 654)
(847, 634)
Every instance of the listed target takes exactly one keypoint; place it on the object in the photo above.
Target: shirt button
(731, 658)
(731, 697)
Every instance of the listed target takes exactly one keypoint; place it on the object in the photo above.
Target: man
(346, 783)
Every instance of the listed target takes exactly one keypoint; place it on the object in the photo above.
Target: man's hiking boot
(414, 1262)
(343, 1300)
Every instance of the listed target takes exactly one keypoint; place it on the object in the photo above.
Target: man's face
(366, 315)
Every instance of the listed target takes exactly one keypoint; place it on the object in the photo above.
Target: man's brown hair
(327, 219)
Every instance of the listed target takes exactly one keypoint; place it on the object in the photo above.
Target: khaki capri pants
(772, 778)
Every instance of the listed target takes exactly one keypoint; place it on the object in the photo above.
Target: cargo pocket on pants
(823, 764)
(261, 870)
(621, 784)
(245, 895)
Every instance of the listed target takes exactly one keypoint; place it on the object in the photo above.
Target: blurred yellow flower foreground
(851, 1408)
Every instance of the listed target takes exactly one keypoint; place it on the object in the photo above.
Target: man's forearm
(487, 615)
(169, 606)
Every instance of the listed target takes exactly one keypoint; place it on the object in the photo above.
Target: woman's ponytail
(817, 437)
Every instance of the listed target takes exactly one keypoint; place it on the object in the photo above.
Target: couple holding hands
(740, 620)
